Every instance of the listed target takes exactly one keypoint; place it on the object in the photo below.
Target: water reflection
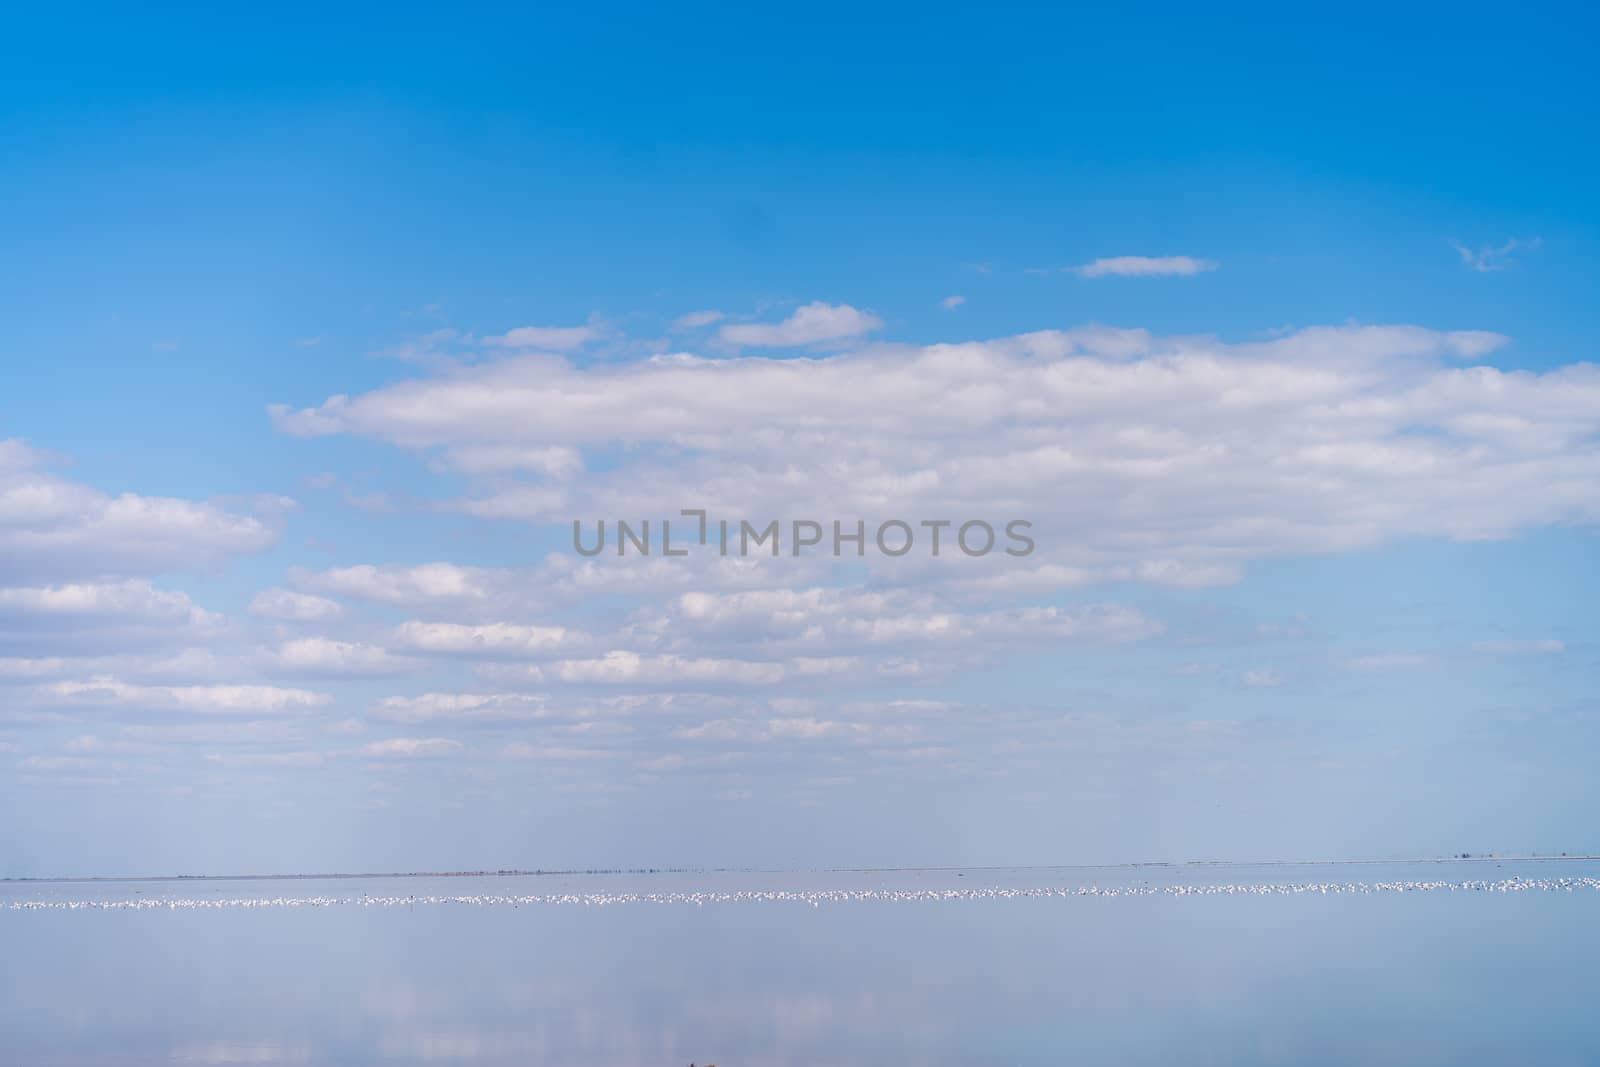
(901, 977)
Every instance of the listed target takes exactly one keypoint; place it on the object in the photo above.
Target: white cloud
(140, 659)
(847, 620)
(293, 607)
(428, 583)
(410, 748)
(134, 599)
(1049, 577)
(554, 338)
(325, 657)
(34, 667)
(1172, 461)
(1144, 266)
(1389, 661)
(344, 727)
(809, 666)
(467, 595)
(518, 503)
(488, 639)
(463, 707)
(85, 617)
(631, 667)
(553, 462)
(797, 728)
(695, 320)
(52, 528)
(1262, 679)
(521, 750)
(950, 303)
(201, 699)
(17, 455)
(814, 323)
(1491, 258)
(565, 578)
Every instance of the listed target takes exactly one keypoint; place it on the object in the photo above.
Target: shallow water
(1452, 962)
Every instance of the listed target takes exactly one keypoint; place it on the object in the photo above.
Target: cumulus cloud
(696, 320)
(620, 666)
(16, 455)
(201, 699)
(25, 667)
(290, 606)
(797, 728)
(1171, 461)
(488, 639)
(463, 708)
(565, 578)
(508, 595)
(834, 619)
(52, 528)
(553, 462)
(326, 657)
(1050, 577)
(814, 323)
(410, 586)
(556, 338)
(1144, 266)
(131, 599)
(410, 748)
(83, 617)
(144, 659)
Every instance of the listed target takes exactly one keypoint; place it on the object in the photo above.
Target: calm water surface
(1374, 964)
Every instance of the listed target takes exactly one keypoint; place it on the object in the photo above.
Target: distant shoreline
(87, 879)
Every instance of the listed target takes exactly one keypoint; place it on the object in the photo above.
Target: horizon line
(540, 872)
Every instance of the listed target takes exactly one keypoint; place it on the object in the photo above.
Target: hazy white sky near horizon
(314, 357)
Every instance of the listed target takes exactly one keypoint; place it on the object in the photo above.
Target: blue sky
(1311, 455)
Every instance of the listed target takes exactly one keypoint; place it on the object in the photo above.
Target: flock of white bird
(818, 897)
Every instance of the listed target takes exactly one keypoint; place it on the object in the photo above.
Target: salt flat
(1424, 962)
